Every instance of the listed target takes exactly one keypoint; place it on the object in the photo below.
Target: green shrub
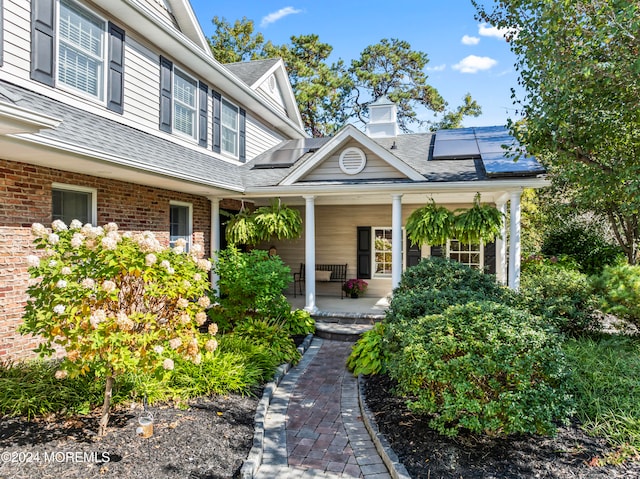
(368, 355)
(299, 322)
(560, 294)
(483, 367)
(250, 285)
(619, 290)
(271, 335)
(585, 244)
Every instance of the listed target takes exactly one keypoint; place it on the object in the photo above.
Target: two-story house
(116, 111)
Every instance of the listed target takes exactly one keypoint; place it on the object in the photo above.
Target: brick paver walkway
(313, 428)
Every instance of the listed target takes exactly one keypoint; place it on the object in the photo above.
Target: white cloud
(469, 40)
(437, 68)
(275, 16)
(486, 30)
(474, 64)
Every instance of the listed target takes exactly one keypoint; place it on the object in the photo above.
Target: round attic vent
(352, 161)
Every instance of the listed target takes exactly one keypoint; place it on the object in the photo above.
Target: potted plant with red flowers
(355, 287)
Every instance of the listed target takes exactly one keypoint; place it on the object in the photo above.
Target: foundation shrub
(483, 367)
(585, 244)
(369, 355)
(272, 335)
(250, 285)
(619, 291)
(299, 322)
(557, 291)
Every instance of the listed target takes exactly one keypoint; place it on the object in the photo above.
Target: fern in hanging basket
(430, 224)
(480, 222)
(242, 229)
(278, 221)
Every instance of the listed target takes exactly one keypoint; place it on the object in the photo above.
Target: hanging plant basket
(242, 229)
(431, 224)
(278, 221)
(478, 223)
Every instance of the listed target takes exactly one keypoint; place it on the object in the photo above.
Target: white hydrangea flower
(150, 259)
(213, 329)
(53, 263)
(75, 225)
(123, 322)
(88, 283)
(61, 374)
(110, 227)
(197, 277)
(158, 349)
(97, 317)
(108, 286)
(181, 242)
(58, 309)
(109, 243)
(201, 318)
(186, 284)
(165, 264)
(198, 359)
(182, 303)
(54, 238)
(59, 225)
(76, 240)
(184, 319)
(204, 264)
(33, 261)
(61, 284)
(211, 345)
(204, 301)
(178, 249)
(196, 249)
(168, 364)
(38, 229)
(66, 270)
(175, 343)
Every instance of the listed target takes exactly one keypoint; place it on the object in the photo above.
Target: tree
(391, 68)
(321, 89)
(237, 42)
(453, 118)
(579, 64)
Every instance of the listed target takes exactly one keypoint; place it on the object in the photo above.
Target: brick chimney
(383, 119)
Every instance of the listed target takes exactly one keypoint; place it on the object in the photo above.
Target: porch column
(514, 241)
(214, 240)
(310, 254)
(501, 245)
(396, 241)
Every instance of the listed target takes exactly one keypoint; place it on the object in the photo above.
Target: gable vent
(352, 161)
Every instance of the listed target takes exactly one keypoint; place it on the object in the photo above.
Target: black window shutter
(166, 95)
(437, 251)
(115, 80)
(204, 113)
(243, 136)
(364, 252)
(414, 254)
(42, 41)
(490, 258)
(217, 100)
(1, 33)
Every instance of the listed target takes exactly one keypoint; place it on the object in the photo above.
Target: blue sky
(464, 55)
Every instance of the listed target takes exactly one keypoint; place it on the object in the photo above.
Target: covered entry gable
(351, 156)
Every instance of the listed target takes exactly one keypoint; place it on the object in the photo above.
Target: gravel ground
(208, 440)
(427, 455)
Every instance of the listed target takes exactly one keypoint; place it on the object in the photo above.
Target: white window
(185, 103)
(230, 128)
(81, 50)
(70, 202)
(469, 254)
(382, 252)
(180, 223)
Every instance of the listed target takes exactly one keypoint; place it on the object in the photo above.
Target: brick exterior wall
(25, 198)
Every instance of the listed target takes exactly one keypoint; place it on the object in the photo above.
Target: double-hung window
(185, 103)
(469, 254)
(180, 223)
(81, 50)
(70, 202)
(229, 128)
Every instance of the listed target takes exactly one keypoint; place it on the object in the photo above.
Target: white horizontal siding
(141, 84)
(17, 37)
(259, 138)
(274, 98)
(160, 9)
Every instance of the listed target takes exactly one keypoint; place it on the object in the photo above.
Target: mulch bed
(207, 440)
(427, 455)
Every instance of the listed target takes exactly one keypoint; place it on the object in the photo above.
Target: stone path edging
(254, 458)
(388, 455)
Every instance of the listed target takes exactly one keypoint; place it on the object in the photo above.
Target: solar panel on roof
(496, 144)
(455, 149)
(496, 164)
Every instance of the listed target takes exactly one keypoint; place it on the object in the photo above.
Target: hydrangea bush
(115, 302)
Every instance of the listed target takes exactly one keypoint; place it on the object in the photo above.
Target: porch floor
(366, 307)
